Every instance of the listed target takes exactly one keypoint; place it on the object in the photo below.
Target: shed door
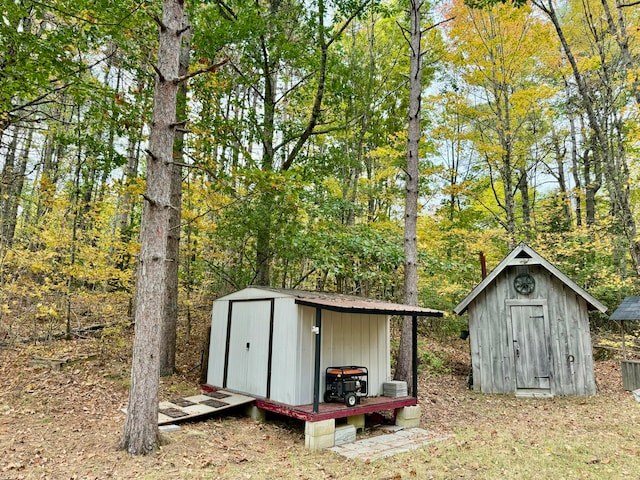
(249, 340)
(530, 340)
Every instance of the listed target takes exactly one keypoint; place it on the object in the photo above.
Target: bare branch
(156, 19)
(151, 154)
(347, 22)
(251, 85)
(149, 199)
(209, 68)
(431, 27)
(158, 72)
(182, 30)
(226, 11)
(404, 31)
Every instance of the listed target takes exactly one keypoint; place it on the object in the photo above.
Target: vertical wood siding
(568, 339)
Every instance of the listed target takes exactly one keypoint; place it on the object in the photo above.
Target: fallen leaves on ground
(67, 424)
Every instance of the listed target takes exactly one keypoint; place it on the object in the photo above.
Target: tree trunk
(523, 186)
(559, 154)
(404, 370)
(169, 325)
(619, 32)
(263, 234)
(7, 180)
(128, 178)
(17, 188)
(574, 161)
(591, 188)
(53, 154)
(140, 433)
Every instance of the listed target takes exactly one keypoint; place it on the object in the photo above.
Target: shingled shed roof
(629, 309)
(523, 254)
(353, 304)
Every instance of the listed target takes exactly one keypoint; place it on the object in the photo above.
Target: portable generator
(346, 384)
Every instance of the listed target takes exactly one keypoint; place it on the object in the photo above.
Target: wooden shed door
(249, 340)
(530, 340)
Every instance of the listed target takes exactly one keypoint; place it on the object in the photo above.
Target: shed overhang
(360, 306)
(629, 309)
(347, 303)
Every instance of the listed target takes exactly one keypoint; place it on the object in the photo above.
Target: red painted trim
(304, 412)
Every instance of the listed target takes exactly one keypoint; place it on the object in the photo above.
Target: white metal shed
(277, 343)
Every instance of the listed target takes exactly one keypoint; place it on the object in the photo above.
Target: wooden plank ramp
(188, 408)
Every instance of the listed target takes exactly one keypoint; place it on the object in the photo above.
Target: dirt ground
(66, 425)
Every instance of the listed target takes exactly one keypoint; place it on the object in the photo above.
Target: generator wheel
(327, 396)
(350, 399)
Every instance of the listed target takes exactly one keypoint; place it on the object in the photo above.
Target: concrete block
(357, 421)
(168, 428)
(345, 434)
(323, 427)
(318, 443)
(408, 423)
(256, 413)
(408, 417)
(319, 435)
(410, 412)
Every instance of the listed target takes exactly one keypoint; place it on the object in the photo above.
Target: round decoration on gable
(524, 284)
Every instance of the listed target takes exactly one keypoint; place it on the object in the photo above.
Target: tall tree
(404, 362)
(140, 433)
(170, 320)
(284, 88)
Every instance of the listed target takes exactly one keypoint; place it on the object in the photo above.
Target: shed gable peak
(524, 254)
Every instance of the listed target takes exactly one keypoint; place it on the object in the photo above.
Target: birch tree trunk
(140, 435)
(404, 369)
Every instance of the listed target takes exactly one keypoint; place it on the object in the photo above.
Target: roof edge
(539, 259)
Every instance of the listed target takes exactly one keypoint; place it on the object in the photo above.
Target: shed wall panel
(347, 339)
(494, 348)
(217, 343)
(248, 365)
(573, 373)
(559, 337)
(284, 357)
(306, 355)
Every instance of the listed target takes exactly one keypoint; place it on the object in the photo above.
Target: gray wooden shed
(529, 329)
(276, 344)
